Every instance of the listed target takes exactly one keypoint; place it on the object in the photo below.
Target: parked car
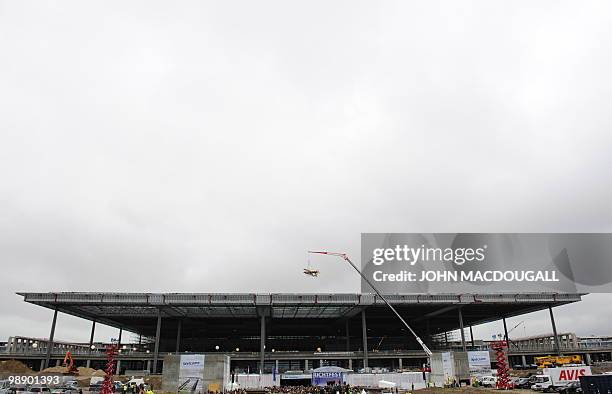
(17, 389)
(64, 390)
(4, 386)
(570, 388)
(39, 389)
(521, 383)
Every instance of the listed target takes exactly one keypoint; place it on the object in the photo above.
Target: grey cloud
(206, 146)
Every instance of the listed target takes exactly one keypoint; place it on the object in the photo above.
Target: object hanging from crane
(346, 258)
(309, 271)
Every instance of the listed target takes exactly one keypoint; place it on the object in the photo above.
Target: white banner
(479, 362)
(191, 373)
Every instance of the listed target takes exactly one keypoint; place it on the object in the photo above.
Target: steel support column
(50, 342)
(348, 337)
(554, 327)
(364, 333)
(506, 333)
(461, 328)
(91, 339)
(472, 336)
(119, 340)
(179, 328)
(157, 335)
(262, 344)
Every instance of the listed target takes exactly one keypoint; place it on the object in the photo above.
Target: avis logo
(571, 374)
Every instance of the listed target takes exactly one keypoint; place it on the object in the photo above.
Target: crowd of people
(330, 389)
(134, 388)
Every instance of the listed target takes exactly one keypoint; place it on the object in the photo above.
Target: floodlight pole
(346, 258)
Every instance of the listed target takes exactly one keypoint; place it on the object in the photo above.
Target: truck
(552, 379)
(557, 361)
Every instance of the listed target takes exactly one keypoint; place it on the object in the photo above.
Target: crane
(345, 257)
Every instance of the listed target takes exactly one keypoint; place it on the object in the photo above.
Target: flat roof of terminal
(131, 310)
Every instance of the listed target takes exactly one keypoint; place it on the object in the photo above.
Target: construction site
(253, 341)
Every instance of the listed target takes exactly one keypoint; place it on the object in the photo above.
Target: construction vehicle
(557, 361)
(69, 364)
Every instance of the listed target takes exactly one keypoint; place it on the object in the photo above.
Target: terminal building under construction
(282, 331)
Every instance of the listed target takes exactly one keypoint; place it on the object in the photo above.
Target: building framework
(273, 328)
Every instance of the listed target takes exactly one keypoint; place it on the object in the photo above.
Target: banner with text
(485, 263)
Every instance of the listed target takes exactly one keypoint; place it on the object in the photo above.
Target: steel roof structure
(300, 323)
(137, 312)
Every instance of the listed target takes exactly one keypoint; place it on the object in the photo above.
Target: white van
(488, 381)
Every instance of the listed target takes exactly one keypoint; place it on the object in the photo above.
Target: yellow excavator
(557, 361)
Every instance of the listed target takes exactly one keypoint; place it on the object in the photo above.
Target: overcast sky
(205, 146)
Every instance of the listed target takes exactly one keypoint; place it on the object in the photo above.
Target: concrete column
(400, 365)
(149, 365)
(554, 327)
(348, 337)
(588, 359)
(42, 364)
(276, 366)
(157, 335)
(305, 365)
(50, 342)
(350, 363)
(364, 334)
(472, 336)
(58, 363)
(178, 336)
(119, 339)
(524, 360)
(461, 328)
(262, 344)
(118, 367)
(91, 340)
